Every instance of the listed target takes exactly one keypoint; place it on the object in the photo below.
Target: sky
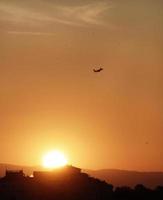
(50, 98)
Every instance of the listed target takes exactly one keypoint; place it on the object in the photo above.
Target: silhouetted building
(59, 173)
(14, 175)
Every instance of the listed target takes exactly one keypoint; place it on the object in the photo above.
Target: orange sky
(50, 98)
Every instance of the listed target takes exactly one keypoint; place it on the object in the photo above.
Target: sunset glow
(52, 98)
(54, 159)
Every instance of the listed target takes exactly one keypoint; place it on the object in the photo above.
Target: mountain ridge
(130, 178)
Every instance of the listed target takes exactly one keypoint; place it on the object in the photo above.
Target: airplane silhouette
(98, 70)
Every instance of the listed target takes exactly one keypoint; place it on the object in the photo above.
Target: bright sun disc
(54, 159)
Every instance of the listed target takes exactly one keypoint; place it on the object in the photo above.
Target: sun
(54, 159)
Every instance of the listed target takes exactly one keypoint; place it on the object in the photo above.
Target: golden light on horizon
(54, 159)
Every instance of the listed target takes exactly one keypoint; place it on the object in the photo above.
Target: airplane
(98, 70)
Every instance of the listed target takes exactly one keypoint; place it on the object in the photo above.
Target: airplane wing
(98, 70)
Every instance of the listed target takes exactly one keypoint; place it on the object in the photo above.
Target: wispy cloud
(88, 14)
(83, 15)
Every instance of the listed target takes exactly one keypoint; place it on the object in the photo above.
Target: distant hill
(113, 176)
(128, 178)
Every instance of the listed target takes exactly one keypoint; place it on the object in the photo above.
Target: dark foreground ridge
(68, 183)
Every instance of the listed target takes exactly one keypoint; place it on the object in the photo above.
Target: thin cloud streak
(30, 33)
